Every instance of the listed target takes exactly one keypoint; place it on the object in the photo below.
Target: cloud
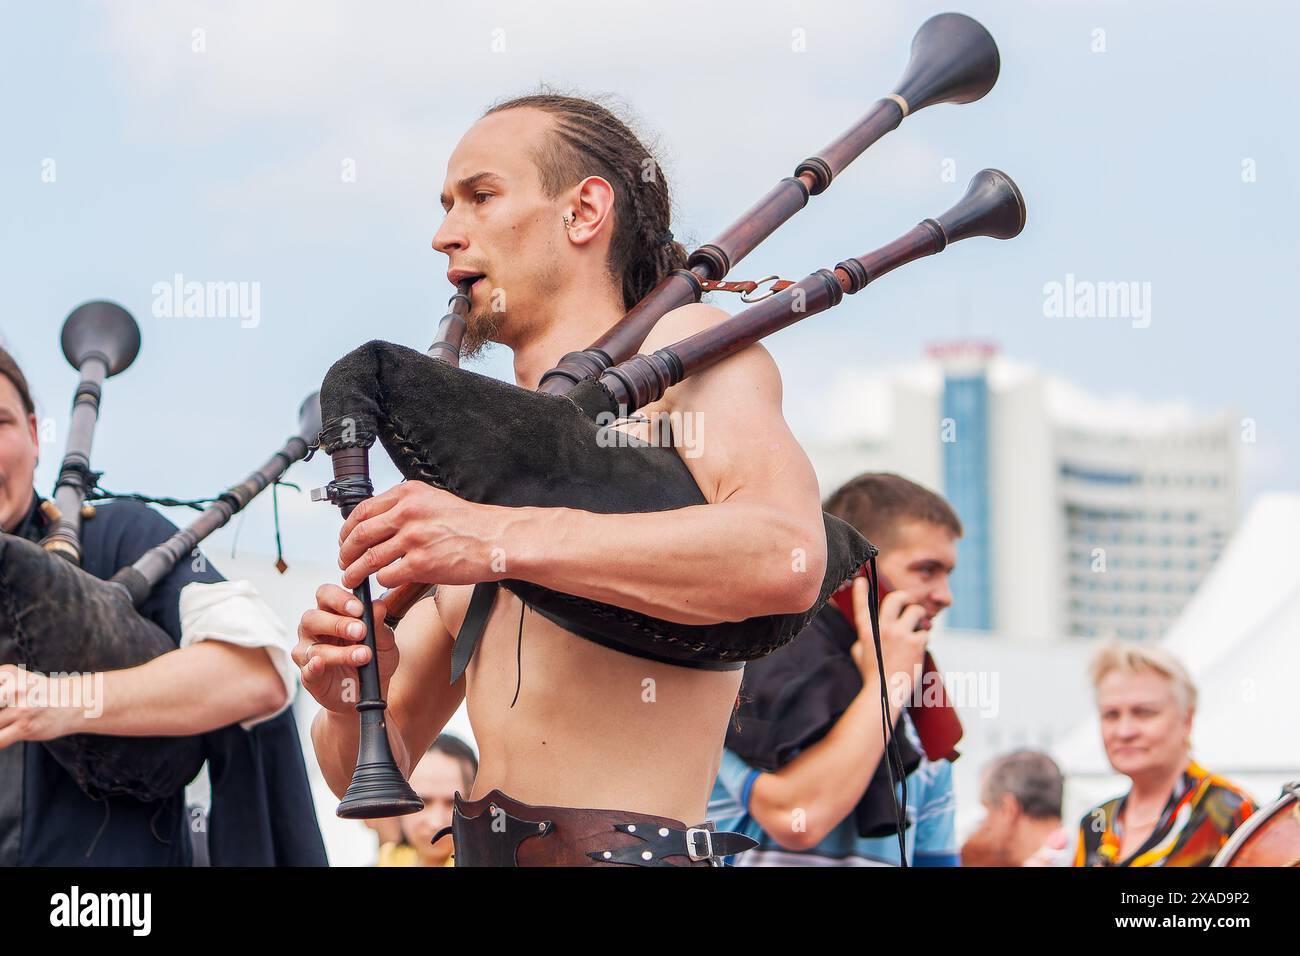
(393, 85)
(324, 58)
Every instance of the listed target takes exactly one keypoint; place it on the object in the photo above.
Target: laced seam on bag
(395, 437)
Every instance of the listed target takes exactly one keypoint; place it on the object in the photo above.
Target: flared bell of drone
(378, 788)
(309, 421)
(992, 207)
(954, 60)
(101, 328)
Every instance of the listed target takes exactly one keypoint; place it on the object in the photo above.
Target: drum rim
(1290, 793)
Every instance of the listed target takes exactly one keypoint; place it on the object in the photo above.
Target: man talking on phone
(802, 771)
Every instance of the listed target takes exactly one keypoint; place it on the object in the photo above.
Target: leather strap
(507, 832)
(497, 830)
(747, 287)
(697, 843)
(480, 607)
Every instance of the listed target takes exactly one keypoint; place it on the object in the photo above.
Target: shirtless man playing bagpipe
(604, 669)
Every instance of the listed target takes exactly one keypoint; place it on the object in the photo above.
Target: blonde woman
(1176, 813)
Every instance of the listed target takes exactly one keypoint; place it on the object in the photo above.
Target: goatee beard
(481, 329)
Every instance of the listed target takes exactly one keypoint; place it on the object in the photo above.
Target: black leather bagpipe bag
(57, 619)
(491, 442)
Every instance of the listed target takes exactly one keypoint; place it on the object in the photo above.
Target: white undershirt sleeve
(233, 612)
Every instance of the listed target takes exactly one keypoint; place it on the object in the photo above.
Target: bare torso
(592, 727)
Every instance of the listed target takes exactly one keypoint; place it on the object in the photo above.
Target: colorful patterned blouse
(1201, 814)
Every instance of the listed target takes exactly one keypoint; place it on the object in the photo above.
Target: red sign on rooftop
(961, 349)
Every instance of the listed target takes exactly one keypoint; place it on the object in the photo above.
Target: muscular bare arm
(191, 690)
(826, 780)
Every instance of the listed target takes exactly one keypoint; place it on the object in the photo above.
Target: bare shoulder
(751, 372)
(682, 322)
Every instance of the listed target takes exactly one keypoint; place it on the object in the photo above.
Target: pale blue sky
(225, 165)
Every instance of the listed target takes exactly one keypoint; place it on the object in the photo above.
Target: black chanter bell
(378, 787)
(102, 329)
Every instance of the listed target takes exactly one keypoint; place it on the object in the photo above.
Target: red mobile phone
(843, 596)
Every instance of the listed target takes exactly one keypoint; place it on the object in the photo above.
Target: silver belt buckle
(690, 844)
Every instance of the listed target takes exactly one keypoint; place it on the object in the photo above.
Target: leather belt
(497, 830)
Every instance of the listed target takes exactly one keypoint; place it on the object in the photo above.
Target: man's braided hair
(589, 140)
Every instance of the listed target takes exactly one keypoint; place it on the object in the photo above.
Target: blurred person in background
(1176, 813)
(802, 771)
(1021, 793)
(447, 767)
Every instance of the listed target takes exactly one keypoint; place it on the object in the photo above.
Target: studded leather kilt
(497, 830)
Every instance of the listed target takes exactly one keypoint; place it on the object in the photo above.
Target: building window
(966, 485)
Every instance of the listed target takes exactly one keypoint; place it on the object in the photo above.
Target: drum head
(1269, 837)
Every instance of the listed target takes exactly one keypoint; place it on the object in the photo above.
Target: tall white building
(1083, 516)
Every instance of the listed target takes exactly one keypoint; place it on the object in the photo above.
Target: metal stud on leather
(657, 843)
